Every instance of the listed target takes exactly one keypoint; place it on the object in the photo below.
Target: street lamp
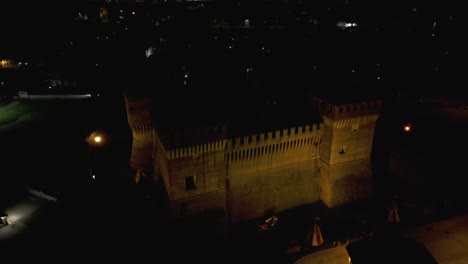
(407, 128)
(95, 139)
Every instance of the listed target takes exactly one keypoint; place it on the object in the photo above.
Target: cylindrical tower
(140, 120)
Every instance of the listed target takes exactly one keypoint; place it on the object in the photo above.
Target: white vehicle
(344, 25)
(336, 255)
(3, 219)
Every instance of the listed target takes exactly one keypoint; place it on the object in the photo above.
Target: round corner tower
(140, 120)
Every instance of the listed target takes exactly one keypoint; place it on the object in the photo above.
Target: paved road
(447, 240)
(20, 216)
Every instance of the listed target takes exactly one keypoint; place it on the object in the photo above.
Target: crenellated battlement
(346, 111)
(138, 101)
(139, 113)
(274, 136)
(196, 149)
(142, 129)
(273, 149)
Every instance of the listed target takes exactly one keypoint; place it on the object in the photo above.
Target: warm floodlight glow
(97, 138)
(407, 128)
(94, 177)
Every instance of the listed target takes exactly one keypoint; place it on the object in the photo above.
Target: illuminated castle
(208, 169)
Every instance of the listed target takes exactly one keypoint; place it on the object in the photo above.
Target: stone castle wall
(272, 149)
(346, 182)
(272, 171)
(255, 194)
(204, 162)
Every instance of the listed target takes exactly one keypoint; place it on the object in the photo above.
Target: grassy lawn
(9, 114)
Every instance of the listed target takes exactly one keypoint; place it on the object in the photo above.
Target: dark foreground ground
(110, 218)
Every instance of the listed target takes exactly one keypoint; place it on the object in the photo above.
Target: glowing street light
(407, 128)
(97, 139)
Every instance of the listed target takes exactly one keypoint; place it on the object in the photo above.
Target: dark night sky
(294, 48)
(406, 45)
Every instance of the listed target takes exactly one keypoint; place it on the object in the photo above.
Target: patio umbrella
(314, 236)
(393, 215)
